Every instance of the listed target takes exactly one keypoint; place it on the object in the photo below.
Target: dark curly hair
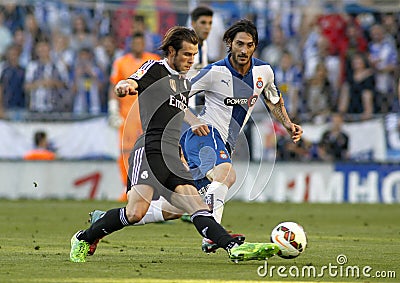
(243, 25)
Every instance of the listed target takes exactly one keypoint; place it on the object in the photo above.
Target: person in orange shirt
(118, 109)
(41, 150)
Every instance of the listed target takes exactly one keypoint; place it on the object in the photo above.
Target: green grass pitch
(35, 237)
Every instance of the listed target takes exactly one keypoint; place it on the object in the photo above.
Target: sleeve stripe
(147, 65)
(143, 69)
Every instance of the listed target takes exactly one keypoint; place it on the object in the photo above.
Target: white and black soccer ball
(291, 239)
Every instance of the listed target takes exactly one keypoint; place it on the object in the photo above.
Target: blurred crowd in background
(328, 56)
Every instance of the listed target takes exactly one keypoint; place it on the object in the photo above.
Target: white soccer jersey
(198, 65)
(230, 97)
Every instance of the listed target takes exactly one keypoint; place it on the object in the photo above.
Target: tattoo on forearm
(278, 113)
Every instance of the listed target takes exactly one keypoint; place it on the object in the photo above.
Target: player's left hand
(295, 132)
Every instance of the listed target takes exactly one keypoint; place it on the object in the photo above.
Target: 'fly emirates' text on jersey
(230, 97)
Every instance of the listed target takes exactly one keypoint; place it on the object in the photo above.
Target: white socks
(154, 213)
(215, 198)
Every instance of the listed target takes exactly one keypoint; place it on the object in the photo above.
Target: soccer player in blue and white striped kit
(231, 87)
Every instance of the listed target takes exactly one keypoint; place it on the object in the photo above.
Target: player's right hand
(296, 132)
(123, 88)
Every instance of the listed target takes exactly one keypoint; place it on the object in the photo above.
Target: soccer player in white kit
(231, 87)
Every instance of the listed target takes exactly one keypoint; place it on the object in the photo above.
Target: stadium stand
(40, 77)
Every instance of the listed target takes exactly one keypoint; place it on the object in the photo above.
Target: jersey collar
(172, 71)
(233, 71)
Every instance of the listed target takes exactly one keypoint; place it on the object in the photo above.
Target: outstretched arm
(279, 111)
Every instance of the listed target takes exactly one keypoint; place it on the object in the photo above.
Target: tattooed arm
(280, 113)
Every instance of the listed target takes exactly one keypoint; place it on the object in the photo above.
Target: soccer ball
(291, 239)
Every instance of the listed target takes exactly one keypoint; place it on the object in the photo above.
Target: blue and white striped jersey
(230, 97)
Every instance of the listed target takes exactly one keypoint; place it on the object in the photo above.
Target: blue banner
(370, 182)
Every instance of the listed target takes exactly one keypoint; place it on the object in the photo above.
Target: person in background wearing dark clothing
(358, 91)
(12, 76)
(334, 143)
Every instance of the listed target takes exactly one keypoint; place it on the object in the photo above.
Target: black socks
(113, 220)
(210, 229)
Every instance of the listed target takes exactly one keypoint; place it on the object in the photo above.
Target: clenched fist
(125, 87)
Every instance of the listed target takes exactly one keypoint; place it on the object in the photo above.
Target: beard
(179, 68)
(238, 59)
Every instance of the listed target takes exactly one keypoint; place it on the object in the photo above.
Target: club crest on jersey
(172, 84)
(259, 82)
(144, 175)
(223, 154)
(139, 73)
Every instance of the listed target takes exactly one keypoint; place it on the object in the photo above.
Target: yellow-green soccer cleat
(186, 218)
(79, 249)
(253, 251)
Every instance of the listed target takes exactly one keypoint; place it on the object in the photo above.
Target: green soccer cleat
(79, 249)
(253, 251)
(186, 218)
